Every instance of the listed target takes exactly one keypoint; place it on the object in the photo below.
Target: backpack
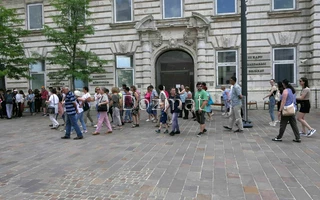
(167, 94)
(210, 102)
(85, 106)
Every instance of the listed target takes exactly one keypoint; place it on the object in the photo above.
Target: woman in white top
(53, 102)
(77, 93)
(97, 97)
(20, 101)
(303, 100)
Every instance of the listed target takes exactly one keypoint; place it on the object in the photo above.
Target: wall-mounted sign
(99, 76)
(99, 83)
(258, 71)
(257, 56)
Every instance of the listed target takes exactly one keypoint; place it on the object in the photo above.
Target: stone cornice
(125, 25)
(284, 13)
(223, 18)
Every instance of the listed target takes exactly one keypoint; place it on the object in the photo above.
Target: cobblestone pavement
(140, 164)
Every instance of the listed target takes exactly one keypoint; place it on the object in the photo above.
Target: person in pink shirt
(44, 97)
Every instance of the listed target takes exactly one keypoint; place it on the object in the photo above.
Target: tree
(13, 62)
(72, 27)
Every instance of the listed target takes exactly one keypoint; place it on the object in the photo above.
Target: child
(163, 119)
(226, 98)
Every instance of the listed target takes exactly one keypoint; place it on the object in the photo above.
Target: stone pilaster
(315, 45)
(146, 60)
(201, 53)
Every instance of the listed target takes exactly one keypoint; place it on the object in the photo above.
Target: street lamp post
(244, 61)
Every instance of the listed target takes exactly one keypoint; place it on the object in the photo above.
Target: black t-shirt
(174, 104)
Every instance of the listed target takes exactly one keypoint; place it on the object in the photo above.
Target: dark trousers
(188, 107)
(19, 110)
(183, 108)
(293, 123)
(37, 105)
(14, 109)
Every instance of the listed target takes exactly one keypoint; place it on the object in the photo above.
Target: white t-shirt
(54, 100)
(80, 110)
(97, 97)
(19, 98)
(86, 96)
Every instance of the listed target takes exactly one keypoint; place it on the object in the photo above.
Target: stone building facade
(177, 42)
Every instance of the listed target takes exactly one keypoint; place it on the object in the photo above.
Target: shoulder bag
(103, 107)
(289, 110)
(52, 109)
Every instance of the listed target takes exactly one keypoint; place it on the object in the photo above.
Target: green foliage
(13, 61)
(73, 25)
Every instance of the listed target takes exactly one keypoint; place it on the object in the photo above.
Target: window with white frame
(226, 66)
(37, 73)
(172, 8)
(35, 16)
(79, 14)
(78, 83)
(124, 70)
(226, 7)
(283, 4)
(284, 64)
(123, 10)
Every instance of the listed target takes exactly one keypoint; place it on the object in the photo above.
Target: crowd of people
(121, 106)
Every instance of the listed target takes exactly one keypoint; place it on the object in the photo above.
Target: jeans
(72, 121)
(31, 107)
(80, 118)
(128, 116)
(9, 108)
(272, 103)
(175, 124)
(235, 116)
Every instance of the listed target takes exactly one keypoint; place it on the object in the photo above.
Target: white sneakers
(272, 123)
(311, 132)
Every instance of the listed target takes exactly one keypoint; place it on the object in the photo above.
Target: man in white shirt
(86, 98)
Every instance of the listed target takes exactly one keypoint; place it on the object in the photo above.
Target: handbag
(289, 110)
(51, 109)
(103, 107)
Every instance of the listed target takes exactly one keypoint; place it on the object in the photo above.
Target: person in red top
(44, 98)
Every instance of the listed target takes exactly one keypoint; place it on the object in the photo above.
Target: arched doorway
(174, 68)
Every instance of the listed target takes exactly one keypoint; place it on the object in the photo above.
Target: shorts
(163, 118)
(43, 103)
(305, 106)
(200, 117)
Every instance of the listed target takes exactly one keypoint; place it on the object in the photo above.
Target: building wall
(201, 33)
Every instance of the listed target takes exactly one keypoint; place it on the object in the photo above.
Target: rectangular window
(35, 16)
(37, 72)
(283, 4)
(124, 70)
(79, 14)
(284, 64)
(172, 8)
(227, 66)
(226, 6)
(78, 83)
(123, 10)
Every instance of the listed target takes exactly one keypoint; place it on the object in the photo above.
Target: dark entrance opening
(175, 68)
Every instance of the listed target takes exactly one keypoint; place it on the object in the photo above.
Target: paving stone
(138, 164)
